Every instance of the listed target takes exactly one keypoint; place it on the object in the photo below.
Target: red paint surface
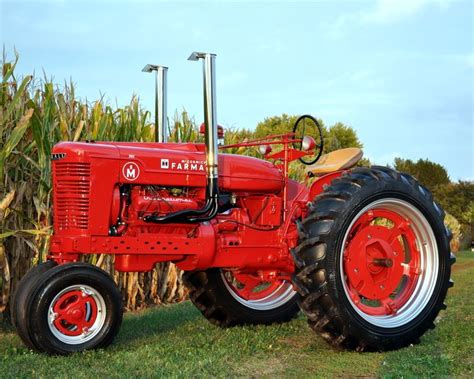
(381, 263)
(255, 235)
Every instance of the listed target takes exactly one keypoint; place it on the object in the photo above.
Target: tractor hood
(171, 164)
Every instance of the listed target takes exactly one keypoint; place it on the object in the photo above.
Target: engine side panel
(168, 165)
(89, 215)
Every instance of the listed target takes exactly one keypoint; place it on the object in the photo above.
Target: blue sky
(399, 72)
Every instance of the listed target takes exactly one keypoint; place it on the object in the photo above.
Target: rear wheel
(226, 298)
(72, 307)
(373, 263)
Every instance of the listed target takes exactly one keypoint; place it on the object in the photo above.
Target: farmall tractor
(363, 252)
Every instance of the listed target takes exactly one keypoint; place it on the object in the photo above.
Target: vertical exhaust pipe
(161, 117)
(210, 209)
(210, 114)
(161, 104)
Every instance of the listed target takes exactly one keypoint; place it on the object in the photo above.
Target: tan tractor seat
(335, 160)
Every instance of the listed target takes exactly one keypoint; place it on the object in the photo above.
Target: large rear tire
(225, 301)
(373, 262)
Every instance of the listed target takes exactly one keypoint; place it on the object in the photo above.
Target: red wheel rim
(76, 312)
(251, 290)
(251, 286)
(381, 262)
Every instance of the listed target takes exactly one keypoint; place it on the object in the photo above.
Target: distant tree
(429, 173)
(340, 136)
(234, 136)
(280, 125)
(457, 199)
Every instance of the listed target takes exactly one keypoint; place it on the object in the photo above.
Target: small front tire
(20, 297)
(72, 307)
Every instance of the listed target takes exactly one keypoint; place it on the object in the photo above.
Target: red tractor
(363, 252)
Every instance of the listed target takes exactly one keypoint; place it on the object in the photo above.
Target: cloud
(389, 11)
(467, 60)
(383, 12)
(232, 79)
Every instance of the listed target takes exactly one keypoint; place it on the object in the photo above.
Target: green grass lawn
(177, 341)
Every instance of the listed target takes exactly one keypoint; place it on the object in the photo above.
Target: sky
(400, 72)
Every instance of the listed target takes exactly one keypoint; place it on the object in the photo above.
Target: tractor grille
(71, 195)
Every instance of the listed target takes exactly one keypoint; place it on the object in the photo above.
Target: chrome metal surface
(161, 102)
(210, 114)
(277, 298)
(91, 332)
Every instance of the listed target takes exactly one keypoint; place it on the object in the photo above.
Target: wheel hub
(74, 313)
(374, 268)
(381, 262)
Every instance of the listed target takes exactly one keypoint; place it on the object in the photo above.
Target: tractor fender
(318, 185)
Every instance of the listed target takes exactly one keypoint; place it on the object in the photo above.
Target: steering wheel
(311, 125)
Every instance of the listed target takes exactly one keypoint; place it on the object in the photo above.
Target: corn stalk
(34, 115)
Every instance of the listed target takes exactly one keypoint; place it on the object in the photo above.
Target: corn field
(34, 115)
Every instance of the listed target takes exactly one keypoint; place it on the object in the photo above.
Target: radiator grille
(71, 195)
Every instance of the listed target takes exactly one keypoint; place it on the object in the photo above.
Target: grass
(176, 341)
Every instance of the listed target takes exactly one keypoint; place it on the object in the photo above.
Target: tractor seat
(335, 160)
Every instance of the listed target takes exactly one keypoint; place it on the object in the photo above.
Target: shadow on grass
(141, 325)
(158, 320)
(5, 324)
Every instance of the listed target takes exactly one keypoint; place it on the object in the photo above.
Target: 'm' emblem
(130, 171)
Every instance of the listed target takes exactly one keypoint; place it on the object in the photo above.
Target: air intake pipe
(210, 209)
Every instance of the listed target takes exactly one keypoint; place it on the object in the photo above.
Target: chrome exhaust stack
(210, 114)
(161, 117)
(210, 209)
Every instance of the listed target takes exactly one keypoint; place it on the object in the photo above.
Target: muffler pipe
(210, 114)
(161, 104)
(161, 117)
(211, 207)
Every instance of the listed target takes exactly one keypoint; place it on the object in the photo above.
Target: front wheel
(70, 308)
(373, 263)
(20, 298)
(227, 298)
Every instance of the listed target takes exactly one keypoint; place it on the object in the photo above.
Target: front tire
(72, 307)
(373, 263)
(20, 296)
(228, 299)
